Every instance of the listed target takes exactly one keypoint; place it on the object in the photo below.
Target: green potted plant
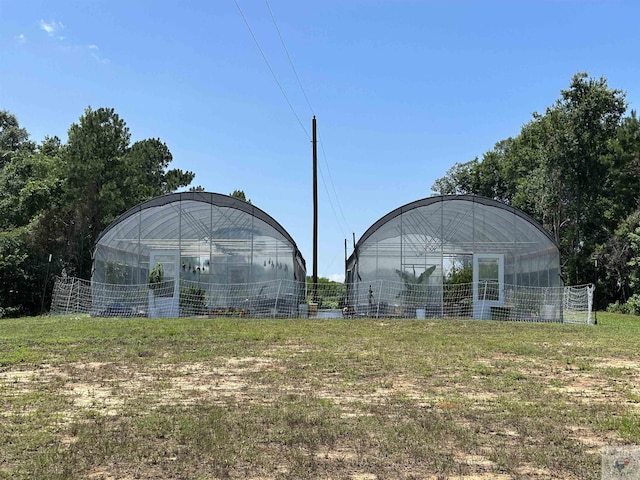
(415, 293)
(156, 276)
(157, 284)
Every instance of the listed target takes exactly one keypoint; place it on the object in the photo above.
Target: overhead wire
(264, 57)
(324, 155)
(331, 203)
(333, 186)
(284, 46)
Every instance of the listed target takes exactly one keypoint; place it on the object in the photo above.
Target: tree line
(576, 169)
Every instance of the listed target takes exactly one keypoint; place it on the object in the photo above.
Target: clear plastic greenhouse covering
(446, 240)
(200, 237)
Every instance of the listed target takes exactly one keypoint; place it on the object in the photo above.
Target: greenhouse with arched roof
(196, 253)
(456, 256)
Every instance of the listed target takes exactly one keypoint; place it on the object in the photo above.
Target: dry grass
(279, 399)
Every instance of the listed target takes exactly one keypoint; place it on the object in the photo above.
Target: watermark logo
(621, 462)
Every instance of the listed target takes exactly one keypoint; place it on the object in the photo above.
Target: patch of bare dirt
(476, 461)
(530, 471)
(584, 387)
(590, 439)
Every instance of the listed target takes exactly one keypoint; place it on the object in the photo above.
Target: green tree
(105, 177)
(95, 169)
(147, 162)
(239, 194)
(622, 182)
(30, 183)
(331, 294)
(56, 199)
(22, 273)
(557, 170)
(619, 262)
(577, 135)
(13, 138)
(30, 190)
(459, 179)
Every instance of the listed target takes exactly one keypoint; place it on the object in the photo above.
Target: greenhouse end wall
(445, 240)
(198, 237)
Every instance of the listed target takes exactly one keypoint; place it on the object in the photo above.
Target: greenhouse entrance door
(165, 304)
(488, 284)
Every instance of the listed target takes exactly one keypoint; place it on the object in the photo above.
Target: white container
(549, 312)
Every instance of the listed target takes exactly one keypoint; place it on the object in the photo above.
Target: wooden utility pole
(315, 211)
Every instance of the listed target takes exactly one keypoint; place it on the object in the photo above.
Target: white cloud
(94, 50)
(21, 38)
(336, 277)
(51, 27)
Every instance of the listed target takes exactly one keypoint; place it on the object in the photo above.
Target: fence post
(66, 311)
(590, 290)
(78, 298)
(378, 302)
(275, 309)
(484, 299)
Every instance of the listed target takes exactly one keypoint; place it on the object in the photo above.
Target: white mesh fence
(578, 304)
(283, 298)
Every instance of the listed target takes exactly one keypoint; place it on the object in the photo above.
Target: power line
(335, 193)
(264, 57)
(331, 202)
(304, 93)
(284, 46)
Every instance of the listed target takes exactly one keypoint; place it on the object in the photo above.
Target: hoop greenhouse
(180, 243)
(455, 239)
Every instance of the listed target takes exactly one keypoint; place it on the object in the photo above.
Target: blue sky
(401, 89)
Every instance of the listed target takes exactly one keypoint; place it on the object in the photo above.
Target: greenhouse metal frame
(192, 245)
(431, 245)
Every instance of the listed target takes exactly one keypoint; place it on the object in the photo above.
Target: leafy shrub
(192, 301)
(10, 312)
(630, 307)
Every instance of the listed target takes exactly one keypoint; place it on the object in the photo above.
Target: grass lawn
(328, 399)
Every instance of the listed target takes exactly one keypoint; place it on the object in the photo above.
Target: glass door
(164, 301)
(488, 283)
